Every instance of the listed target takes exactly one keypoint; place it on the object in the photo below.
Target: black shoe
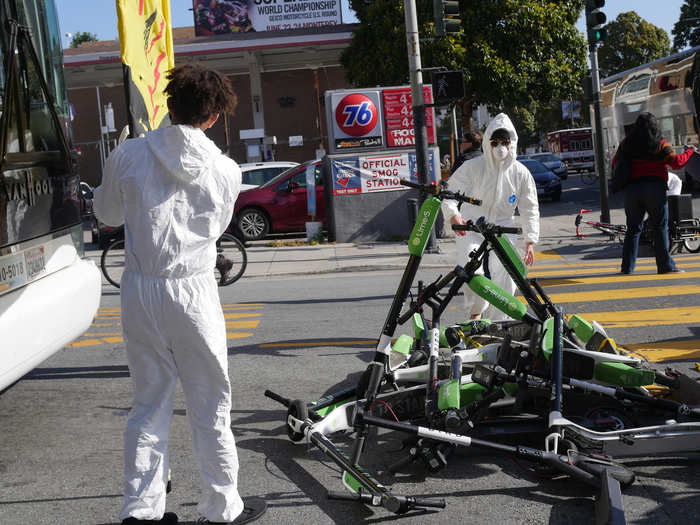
(253, 508)
(674, 270)
(224, 268)
(169, 518)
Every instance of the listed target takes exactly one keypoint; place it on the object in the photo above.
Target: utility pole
(596, 34)
(416, 79)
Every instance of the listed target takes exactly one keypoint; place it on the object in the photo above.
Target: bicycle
(231, 260)
(683, 233)
(613, 231)
(589, 177)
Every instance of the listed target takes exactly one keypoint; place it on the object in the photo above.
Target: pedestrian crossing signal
(448, 86)
(446, 17)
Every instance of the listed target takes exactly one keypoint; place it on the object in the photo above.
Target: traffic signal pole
(598, 137)
(416, 80)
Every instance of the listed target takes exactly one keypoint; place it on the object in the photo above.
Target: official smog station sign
(375, 119)
(373, 173)
(242, 16)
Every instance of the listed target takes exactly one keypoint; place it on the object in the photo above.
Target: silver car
(552, 162)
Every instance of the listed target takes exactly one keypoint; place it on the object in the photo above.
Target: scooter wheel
(297, 409)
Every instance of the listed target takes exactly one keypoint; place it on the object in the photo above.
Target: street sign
(448, 86)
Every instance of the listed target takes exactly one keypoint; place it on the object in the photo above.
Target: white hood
(492, 164)
(184, 151)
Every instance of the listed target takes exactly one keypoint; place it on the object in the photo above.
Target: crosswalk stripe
(607, 262)
(647, 318)
(239, 316)
(601, 270)
(667, 350)
(622, 293)
(242, 324)
(573, 280)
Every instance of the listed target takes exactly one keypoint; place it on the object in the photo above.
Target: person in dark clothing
(649, 155)
(469, 147)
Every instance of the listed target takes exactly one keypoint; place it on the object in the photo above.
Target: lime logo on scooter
(497, 296)
(424, 225)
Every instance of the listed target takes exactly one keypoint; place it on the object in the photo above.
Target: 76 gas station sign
(374, 119)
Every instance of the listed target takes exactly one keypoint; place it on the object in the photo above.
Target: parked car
(257, 173)
(548, 184)
(279, 205)
(552, 162)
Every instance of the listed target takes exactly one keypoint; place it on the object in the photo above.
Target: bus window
(668, 82)
(635, 85)
(666, 127)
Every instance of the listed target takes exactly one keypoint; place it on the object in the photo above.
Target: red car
(279, 205)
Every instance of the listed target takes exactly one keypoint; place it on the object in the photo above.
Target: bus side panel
(36, 322)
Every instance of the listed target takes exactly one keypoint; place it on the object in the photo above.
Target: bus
(668, 88)
(574, 147)
(49, 293)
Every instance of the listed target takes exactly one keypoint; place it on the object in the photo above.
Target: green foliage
(79, 37)
(686, 32)
(631, 42)
(512, 52)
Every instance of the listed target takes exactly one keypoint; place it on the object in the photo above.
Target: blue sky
(100, 16)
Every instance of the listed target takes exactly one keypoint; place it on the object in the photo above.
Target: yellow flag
(146, 43)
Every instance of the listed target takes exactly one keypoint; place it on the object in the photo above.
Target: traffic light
(595, 19)
(446, 16)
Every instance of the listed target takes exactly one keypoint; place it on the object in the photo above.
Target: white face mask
(500, 152)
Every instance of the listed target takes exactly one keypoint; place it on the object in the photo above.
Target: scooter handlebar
(276, 397)
(441, 194)
(496, 230)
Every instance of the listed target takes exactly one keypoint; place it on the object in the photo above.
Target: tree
(631, 42)
(686, 32)
(512, 52)
(79, 37)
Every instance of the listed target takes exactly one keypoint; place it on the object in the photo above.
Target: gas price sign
(398, 116)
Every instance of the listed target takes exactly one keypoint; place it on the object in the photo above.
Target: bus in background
(668, 88)
(49, 294)
(574, 147)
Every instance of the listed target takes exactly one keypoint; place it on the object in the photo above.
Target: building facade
(280, 78)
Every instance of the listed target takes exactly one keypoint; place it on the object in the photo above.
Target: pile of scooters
(541, 377)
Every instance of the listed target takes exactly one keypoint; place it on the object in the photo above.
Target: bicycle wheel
(112, 262)
(589, 177)
(692, 245)
(231, 260)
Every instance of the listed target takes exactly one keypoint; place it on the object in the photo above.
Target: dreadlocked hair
(196, 93)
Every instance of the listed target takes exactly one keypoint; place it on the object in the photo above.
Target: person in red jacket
(650, 157)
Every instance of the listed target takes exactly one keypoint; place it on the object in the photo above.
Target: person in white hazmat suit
(503, 184)
(174, 191)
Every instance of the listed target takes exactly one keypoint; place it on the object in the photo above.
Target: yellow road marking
(572, 281)
(85, 342)
(623, 293)
(318, 343)
(238, 335)
(238, 316)
(667, 350)
(113, 339)
(615, 264)
(646, 318)
(242, 324)
(607, 269)
(100, 334)
(547, 255)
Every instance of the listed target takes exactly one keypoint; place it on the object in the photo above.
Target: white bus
(48, 293)
(668, 88)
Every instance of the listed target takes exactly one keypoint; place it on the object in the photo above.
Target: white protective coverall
(174, 191)
(502, 186)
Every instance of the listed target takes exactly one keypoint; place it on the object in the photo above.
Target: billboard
(371, 173)
(375, 118)
(215, 17)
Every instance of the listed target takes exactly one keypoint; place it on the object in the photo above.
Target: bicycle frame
(613, 231)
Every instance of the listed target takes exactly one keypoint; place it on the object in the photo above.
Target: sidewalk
(557, 242)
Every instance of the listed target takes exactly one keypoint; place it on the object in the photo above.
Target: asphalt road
(60, 446)
(60, 454)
